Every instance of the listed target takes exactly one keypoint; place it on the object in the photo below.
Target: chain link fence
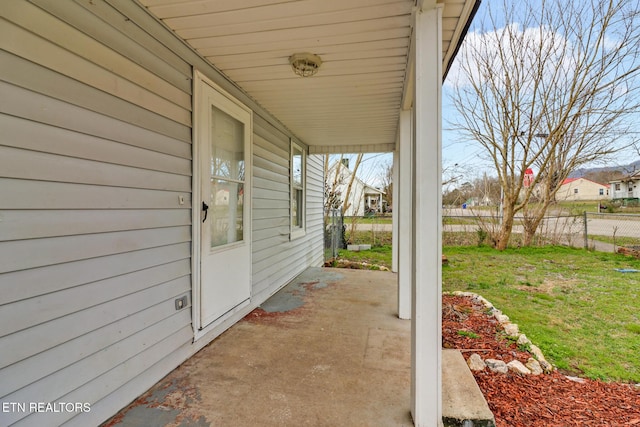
(618, 230)
(599, 231)
(334, 235)
(604, 232)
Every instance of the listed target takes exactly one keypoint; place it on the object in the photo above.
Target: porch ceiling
(353, 102)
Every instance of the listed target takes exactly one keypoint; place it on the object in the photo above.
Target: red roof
(570, 180)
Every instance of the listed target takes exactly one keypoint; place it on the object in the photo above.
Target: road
(572, 227)
(595, 226)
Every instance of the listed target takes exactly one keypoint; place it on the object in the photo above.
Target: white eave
(352, 104)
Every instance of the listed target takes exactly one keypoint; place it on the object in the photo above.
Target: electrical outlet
(181, 302)
(181, 199)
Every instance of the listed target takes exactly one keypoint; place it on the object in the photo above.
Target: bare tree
(347, 200)
(338, 188)
(332, 195)
(386, 178)
(551, 90)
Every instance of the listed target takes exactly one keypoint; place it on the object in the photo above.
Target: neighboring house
(626, 188)
(161, 175)
(478, 201)
(362, 198)
(582, 189)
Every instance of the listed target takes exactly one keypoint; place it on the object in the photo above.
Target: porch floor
(327, 350)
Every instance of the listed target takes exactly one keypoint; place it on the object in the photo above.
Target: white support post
(426, 315)
(394, 213)
(404, 206)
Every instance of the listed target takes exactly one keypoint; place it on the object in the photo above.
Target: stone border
(358, 265)
(536, 365)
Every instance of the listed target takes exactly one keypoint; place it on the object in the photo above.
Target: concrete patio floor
(327, 350)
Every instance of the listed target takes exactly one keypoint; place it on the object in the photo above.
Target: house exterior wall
(358, 193)
(95, 192)
(276, 258)
(356, 199)
(586, 190)
(627, 189)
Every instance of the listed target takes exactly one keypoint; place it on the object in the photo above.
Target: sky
(466, 158)
(459, 158)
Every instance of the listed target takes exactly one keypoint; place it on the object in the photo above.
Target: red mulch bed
(530, 401)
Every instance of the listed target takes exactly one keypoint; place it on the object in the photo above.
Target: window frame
(297, 231)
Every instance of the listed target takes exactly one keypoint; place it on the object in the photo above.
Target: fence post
(586, 235)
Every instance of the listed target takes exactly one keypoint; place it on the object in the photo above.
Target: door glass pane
(226, 205)
(227, 178)
(227, 146)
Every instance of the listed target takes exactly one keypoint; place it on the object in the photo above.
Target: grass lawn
(572, 303)
(619, 240)
(368, 220)
(584, 315)
(378, 255)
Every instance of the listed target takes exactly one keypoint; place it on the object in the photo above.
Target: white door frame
(200, 79)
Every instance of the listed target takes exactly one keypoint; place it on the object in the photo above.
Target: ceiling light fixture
(305, 64)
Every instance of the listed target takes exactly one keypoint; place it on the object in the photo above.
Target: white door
(223, 153)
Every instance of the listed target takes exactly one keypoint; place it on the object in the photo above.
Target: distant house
(478, 201)
(626, 188)
(582, 189)
(362, 197)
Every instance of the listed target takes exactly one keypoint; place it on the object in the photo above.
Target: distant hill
(625, 169)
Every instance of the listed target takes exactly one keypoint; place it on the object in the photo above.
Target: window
(601, 191)
(618, 187)
(575, 191)
(226, 199)
(298, 166)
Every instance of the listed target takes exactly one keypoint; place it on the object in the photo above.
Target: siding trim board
(96, 218)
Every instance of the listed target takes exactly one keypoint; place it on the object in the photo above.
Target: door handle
(205, 208)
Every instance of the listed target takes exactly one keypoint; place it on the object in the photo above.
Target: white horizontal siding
(62, 303)
(19, 102)
(32, 341)
(57, 195)
(95, 192)
(95, 205)
(275, 258)
(37, 36)
(99, 362)
(32, 165)
(43, 280)
(36, 136)
(31, 224)
(58, 357)
(19, 254)
(26, 74)
(111, 380)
